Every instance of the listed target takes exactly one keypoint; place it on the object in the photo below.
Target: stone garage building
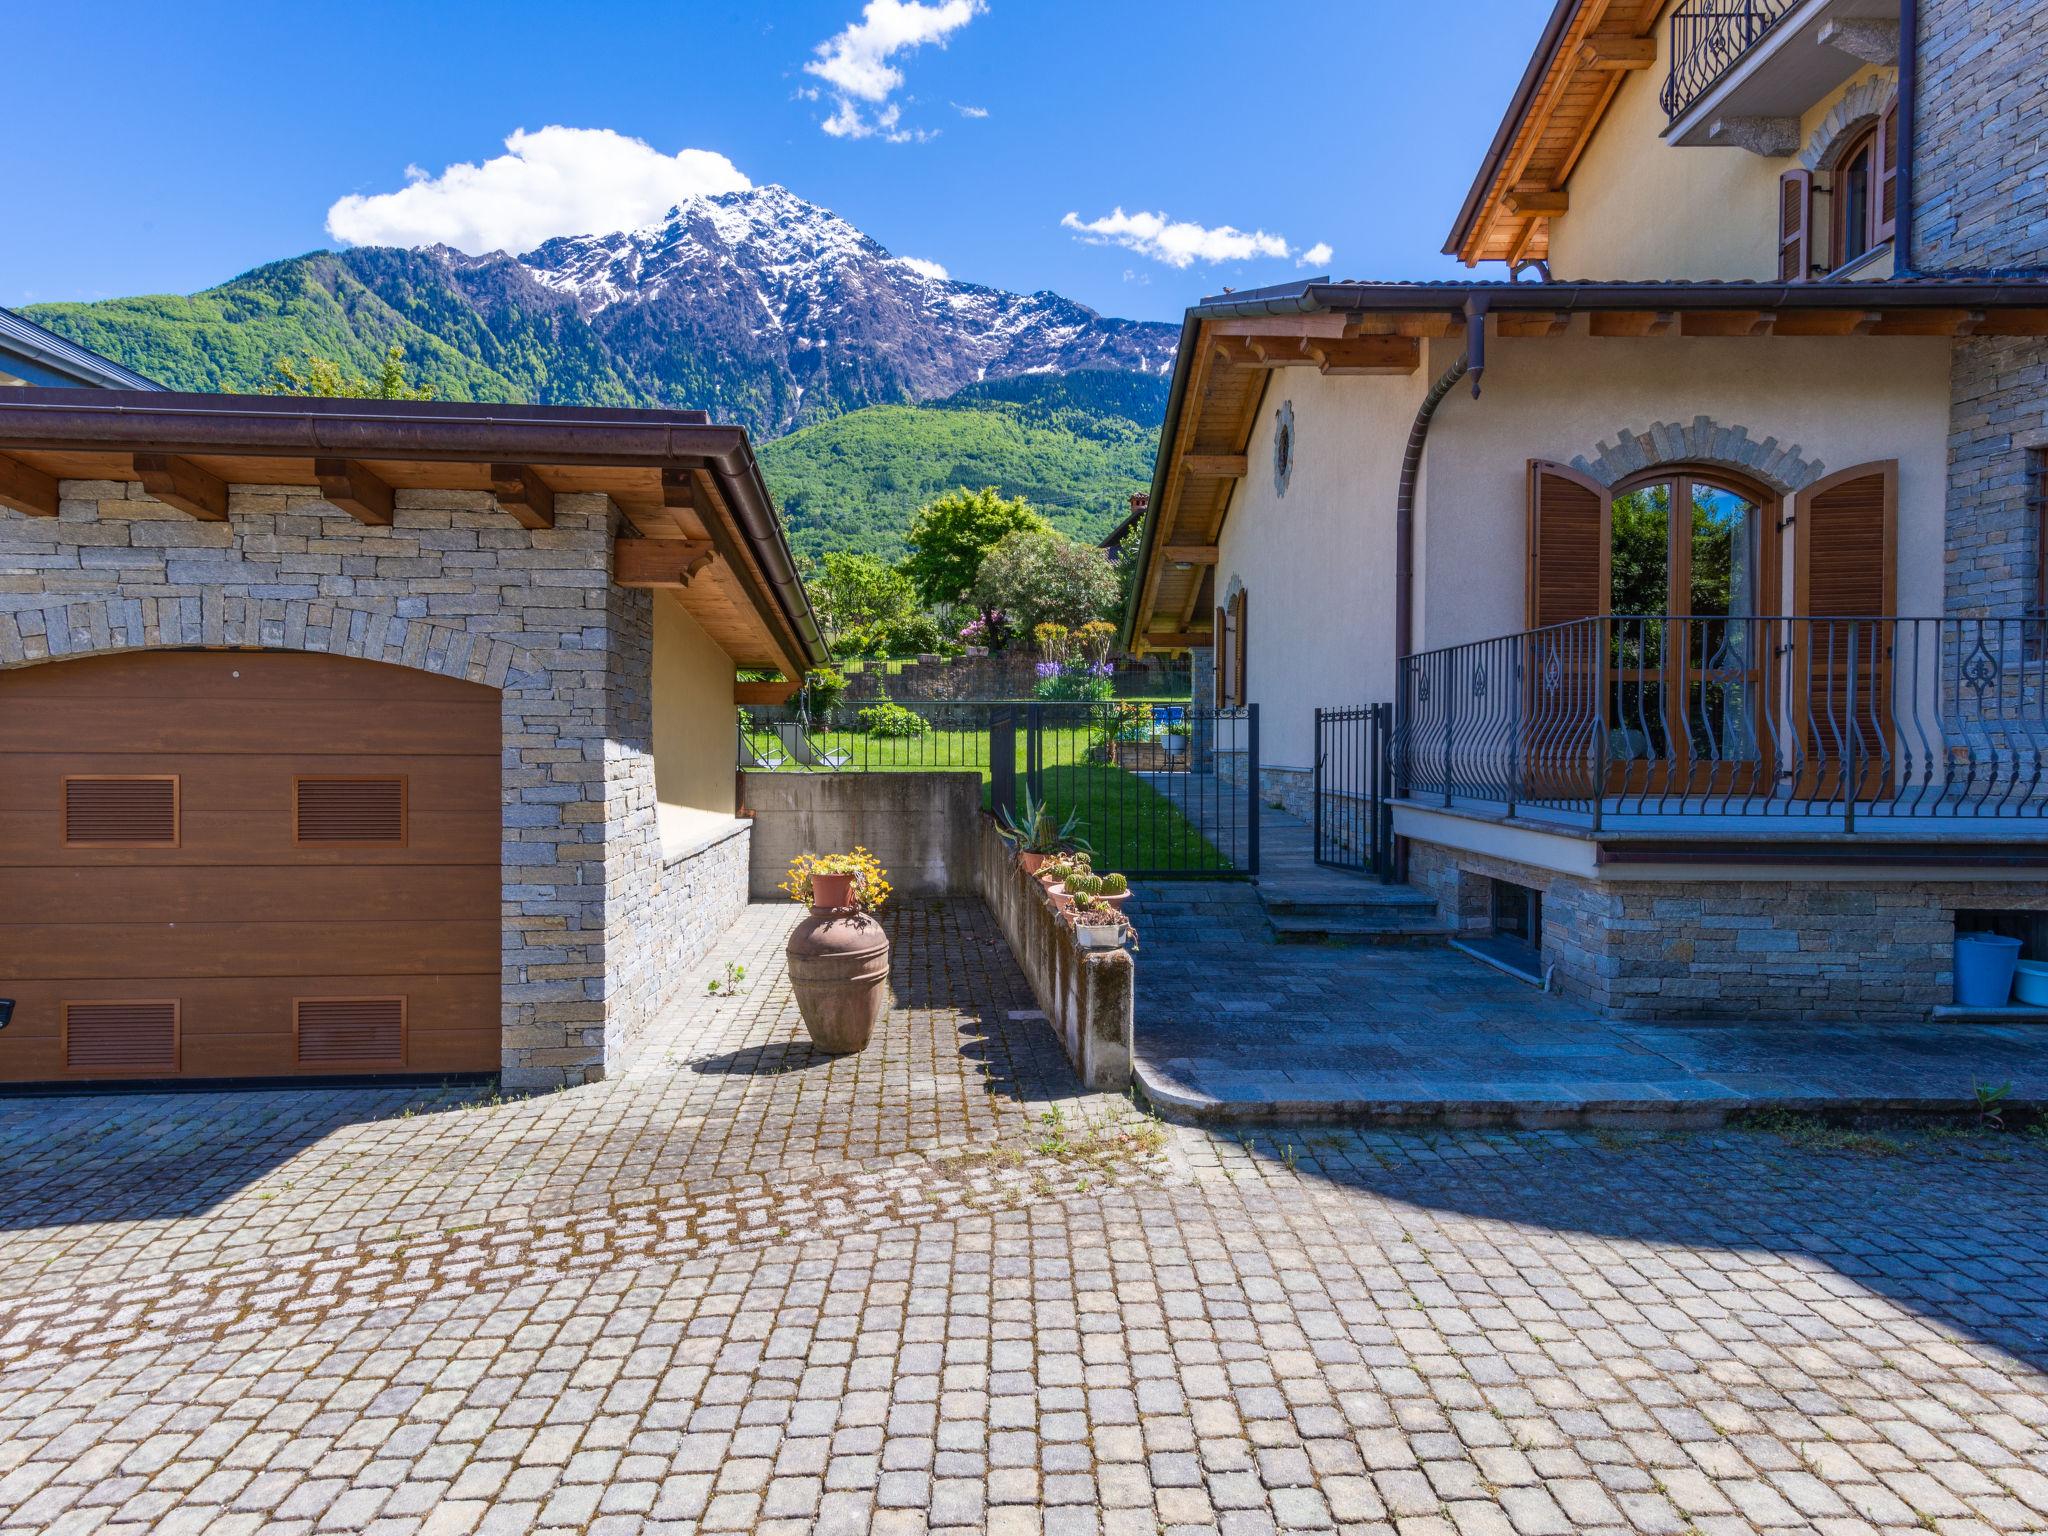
(366, 737)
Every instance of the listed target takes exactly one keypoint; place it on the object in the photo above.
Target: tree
(324, 378)
(855, 591)
(1046, 578)
(950, 537)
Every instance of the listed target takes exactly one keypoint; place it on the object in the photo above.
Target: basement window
(1513, 940)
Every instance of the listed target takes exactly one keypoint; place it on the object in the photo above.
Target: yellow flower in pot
(839, 954)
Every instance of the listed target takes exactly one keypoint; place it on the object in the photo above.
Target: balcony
(1743, 72)
(1777, 727)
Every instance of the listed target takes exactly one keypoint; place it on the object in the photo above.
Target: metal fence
(1354, 779)
(1707, 37)
(1159, 789)
(1852, 717)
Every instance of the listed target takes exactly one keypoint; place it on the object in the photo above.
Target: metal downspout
(1909, 90)
(1473, 363)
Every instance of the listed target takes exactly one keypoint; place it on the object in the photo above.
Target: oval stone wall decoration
(1283, 448)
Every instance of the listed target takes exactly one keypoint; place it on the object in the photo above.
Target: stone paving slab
(1231, 1027)
(939, 1291)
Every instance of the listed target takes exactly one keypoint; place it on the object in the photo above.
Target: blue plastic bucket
(1985, 963)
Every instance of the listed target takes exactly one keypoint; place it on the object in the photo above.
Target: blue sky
(157, 148)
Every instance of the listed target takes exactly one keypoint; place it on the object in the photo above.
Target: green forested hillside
(1076, 445)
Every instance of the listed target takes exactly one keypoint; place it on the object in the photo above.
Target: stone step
(1339, 929)
(1370, 898)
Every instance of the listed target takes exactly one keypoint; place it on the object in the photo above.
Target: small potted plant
(1037, 834)
(839, 955)
(1098, 927)
(1079, 884)
(1114, 891)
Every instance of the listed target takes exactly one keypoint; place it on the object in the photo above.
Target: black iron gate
(1354, 789)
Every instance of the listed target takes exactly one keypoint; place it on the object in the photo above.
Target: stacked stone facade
(1756, 950)
(597, 928)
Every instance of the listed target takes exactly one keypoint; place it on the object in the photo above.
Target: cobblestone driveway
(746, 1289)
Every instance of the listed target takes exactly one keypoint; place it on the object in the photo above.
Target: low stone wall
(688, 902)
(922, 826)
(1809, 951)
(1089, 998)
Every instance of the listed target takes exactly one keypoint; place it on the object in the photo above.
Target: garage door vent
(127, 1035)
(131, 812)
(351, 811)
(351, 1031)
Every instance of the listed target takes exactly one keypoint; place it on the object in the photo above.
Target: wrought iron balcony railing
(1842, 719)
(1708, 36)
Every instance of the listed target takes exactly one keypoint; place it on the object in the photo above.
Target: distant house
(31, 355)
(1701, 551)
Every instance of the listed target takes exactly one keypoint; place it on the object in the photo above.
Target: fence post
(1849, 784)
(1251, 788)
(1034, 750)
(1002, 760)
(1319, 786)
(1382, 781)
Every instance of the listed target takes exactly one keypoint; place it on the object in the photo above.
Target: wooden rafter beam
(1368, 355)
(1634, 322)
(1531, 322)
(26, 489)
(659, 562)
(356, 490)
(1429, 323)
(1827, 322)
(1204, 365)
(1213, 466)
(1321, 323)
(1931, 322)
(1175, 640)
(1610, 52)
(1532, 197)
(1280, 351)
(182, 484)
(1189, 554)
(1729, 322)
(780, 692)
(522, 493)
(687, 486)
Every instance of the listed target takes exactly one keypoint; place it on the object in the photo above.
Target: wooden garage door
(224, 864)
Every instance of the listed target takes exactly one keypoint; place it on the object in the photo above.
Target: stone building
(1701, 549)
(351, 738)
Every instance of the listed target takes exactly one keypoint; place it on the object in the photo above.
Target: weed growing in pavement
(1815, 1134)
(733, 982)
(1988, 1100)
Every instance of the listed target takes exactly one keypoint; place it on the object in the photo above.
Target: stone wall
(922, 826)
(673, 912)
(1808, 951)
(1980, 154)
(1998, 410)
(453, 587)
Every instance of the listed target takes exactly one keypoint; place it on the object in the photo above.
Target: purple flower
(1048, 669)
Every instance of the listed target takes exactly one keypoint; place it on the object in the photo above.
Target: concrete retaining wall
(922, 826)
(1087, 997)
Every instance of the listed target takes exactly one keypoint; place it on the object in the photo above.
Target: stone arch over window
(1783, 467)
(1859, 109)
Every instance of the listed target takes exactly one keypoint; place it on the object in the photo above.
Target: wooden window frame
(1864, 142)
(177, 808)
(404, 838)
(404, 1027)
(64, 1007)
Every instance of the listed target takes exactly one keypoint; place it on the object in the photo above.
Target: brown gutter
(74, 420)
(1909, 89)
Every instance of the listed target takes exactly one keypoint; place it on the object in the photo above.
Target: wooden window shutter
(134, 812)
(1845, 543)
(122, 1035)
(1795, 226)
(353, 810)
(1222, 656)
(1886, 199)
(1568, 554)
(1240, 693)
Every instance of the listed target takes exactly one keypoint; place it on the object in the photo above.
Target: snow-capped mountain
(762, 307)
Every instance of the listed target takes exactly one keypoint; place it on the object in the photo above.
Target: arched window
(1855, 200)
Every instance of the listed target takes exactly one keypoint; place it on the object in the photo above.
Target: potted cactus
(1037, 834)
(1114, 890)
(1098, 927)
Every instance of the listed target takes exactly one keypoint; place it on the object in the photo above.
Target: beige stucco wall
(1318, 562)
(1841, 400)
(1642, 208)
(694, 736)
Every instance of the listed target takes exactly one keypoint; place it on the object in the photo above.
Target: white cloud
(924, 268)
(1180, 243)
(856, 63)
(554, 181)
(1317, 255)
(965, 111)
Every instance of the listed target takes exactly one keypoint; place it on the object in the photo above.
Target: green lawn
(1129, 824)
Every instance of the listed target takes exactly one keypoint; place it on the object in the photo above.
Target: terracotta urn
(839, 971)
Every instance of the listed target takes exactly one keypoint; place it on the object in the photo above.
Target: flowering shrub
(1075, 680)
(887, 718)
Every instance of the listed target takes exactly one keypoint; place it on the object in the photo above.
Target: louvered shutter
(350, 811)
(1240, 692)
(1845, 544)
(1567, 545)
(1795, 226)
(1887, 198)
(1222, 657)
